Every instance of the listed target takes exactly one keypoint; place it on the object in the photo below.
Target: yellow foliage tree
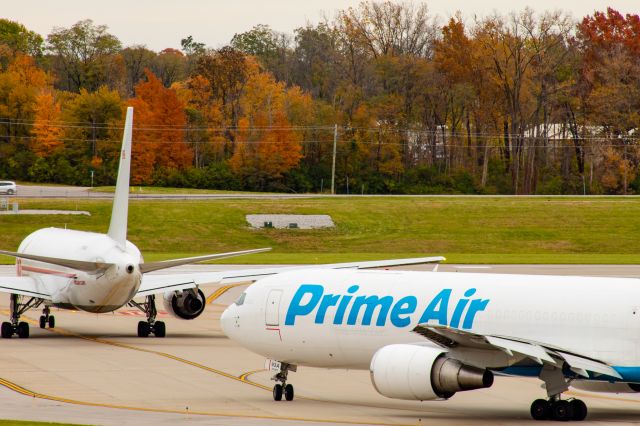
(46, 131)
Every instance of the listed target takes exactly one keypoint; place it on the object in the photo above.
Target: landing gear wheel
(277, 392)
(579, 410)
(6, 330)
(23, 330)
(288, 392)
(52, 321)
(159, 329)
(561, 411)
(43, 321)
(540, 409)
(143, 329)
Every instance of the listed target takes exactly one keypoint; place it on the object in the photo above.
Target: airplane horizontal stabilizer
(155, 266)
(67, 263)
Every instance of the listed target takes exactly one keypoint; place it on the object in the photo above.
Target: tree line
(522, 103)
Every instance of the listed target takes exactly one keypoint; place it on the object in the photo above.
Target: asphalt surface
(92, 369)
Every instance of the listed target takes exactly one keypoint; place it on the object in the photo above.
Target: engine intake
(423, 373)
(186, 304)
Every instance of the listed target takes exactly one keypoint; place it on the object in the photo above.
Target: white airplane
(427, 335)
(103, 272)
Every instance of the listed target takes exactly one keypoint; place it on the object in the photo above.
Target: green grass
(466, 230)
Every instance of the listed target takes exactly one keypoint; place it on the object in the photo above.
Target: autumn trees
(519, 103)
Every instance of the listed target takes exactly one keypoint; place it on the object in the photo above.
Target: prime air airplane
(103, 272)
(428, 335)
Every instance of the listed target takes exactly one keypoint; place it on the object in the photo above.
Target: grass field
(465, 230)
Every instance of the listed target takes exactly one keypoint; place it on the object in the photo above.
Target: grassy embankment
(469, 230)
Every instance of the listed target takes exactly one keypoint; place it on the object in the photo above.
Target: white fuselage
(103, 290)
(327, 318)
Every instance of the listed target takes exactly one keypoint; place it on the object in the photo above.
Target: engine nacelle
(185, 304)
(423, 373)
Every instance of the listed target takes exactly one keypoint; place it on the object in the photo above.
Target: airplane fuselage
(103, 290)
(339, 319)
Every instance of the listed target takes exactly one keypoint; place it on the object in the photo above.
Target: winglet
(118, 226)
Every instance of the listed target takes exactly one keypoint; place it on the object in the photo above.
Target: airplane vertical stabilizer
(118, 226)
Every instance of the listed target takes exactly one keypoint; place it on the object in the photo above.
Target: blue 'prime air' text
(346, 308)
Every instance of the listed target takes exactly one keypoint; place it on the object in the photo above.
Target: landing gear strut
(47, 319)
(18, 308)
(150, 325)
(555, 408)
(283, 388)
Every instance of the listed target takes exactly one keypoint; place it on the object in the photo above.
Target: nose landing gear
(145, 328)
(47, 319)
(283, 388)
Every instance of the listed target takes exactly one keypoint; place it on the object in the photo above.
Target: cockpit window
(240, 299)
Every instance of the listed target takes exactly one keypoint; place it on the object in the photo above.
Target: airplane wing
(450, 338)
(24, 286)
(160, 283)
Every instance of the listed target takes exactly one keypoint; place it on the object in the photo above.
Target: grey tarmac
(92, 369)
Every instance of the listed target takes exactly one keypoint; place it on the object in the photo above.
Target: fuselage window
(240, 299)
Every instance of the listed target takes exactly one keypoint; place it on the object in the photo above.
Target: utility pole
(333, 167)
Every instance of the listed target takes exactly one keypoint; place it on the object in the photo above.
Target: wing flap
(153, 284)
(580, 364)
(24, 286)
(538, 352)
(533, 351)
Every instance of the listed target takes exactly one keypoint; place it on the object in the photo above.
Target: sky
(159, 24)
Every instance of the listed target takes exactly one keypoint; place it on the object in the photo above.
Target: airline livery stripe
(47, 271)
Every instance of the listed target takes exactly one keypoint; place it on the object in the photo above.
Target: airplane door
(272, 312)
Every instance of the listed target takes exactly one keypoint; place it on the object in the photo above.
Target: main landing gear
(555, 408)
(145, 328)
(21, 328)
(47, 319)
(283, 388)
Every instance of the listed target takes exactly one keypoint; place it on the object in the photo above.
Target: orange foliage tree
(267, 144)
(159, 130)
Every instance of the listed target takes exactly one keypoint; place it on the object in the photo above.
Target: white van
(8, 187)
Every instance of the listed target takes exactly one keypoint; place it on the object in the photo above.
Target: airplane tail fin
(119, 214)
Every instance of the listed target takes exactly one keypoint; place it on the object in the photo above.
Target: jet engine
(185, 304)
(423, 373)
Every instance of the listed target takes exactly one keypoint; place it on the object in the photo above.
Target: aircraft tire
(277, 392)
(23, 330)
(579, 410)
(159, 329)
(143, 329)
(288, 392)
(6, 330)
(540, 409)
(561, 411)
(52, 321)
(43, 321)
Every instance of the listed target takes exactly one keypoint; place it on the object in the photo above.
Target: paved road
(91, 369)
(45, 191)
